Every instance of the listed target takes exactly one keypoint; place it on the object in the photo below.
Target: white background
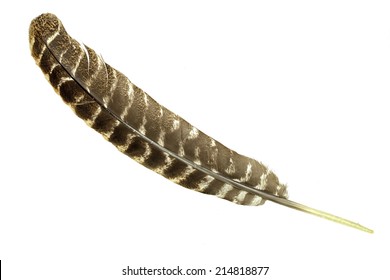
(302, 86)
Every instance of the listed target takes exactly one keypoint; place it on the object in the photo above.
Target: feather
(146, 131)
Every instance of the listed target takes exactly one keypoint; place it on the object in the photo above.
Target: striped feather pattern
(140, 127)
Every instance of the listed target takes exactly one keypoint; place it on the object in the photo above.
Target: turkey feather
(146, 131)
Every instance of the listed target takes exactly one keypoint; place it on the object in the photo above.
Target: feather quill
(146, 131)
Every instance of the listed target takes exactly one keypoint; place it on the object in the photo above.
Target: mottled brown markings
(176, 123)
(72, 57)
(204, 183)
(60, 54)
(187, 172)
(121, 99)
(47, 61)
(273, 184)
(76, 57)
(181, 152)
(240, 197)
(58, 43)
(194, 133)
(152, 125)
(168, 161)
(37, 49)
(136, 148)
(171, 140)
(170, 121)
(239, 170)
(141, 128)
(175, 169)
(119, 135)
(156, 159)
(82, 72)
(110, 83)
(208, 155)
(57, 75)
(137, 112)
(249, 199)
(71, 92)
(161, 138)
(255, 172)
(231, 167)
(232, 195)
(104, 70)
(189, 143)
(248, 173)
(87, 109)
(104, 123)
(173, 135)
(224, 190)
(213, 187)
(96, 79)
(193, 180)
(50, 38)
(263, 180)
(196, 155)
